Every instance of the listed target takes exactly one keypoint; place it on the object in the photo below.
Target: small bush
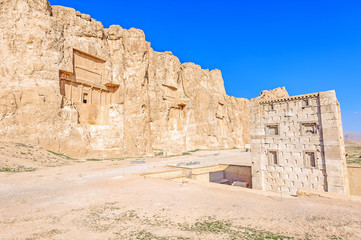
(62, 155)
(195, 150)
(17, 169)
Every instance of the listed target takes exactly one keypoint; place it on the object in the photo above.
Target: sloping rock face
(74, 87)
(266, 95)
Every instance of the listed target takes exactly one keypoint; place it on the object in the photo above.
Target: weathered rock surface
(279, 92)
(144, 103)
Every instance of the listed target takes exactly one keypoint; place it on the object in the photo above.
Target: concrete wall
(354, 176)
(305, 151)
(223, 171)
(216, 176)
(219, 172)
(170, 174)
(238, 173)
(208, 173)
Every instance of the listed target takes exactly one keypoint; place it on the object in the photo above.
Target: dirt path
(93, 200)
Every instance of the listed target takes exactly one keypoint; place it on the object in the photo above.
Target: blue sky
(305, 45)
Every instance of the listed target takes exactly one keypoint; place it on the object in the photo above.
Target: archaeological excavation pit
(226, 174)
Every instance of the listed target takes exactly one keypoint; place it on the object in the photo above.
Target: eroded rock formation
(75, 87)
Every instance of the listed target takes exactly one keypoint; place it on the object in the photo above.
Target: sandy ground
(19, 157)
(353, 155)
(349, 142)
(110, 200)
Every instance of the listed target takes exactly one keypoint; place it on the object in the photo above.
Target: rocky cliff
(72, 86)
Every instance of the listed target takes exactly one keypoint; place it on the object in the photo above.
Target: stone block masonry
(297, 143)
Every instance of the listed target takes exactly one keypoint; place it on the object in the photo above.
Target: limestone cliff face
(74, 87)
(279, 92)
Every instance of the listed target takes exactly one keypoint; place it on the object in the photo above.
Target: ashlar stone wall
(297, 143)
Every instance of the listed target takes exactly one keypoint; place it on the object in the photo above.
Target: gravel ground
(96, 200)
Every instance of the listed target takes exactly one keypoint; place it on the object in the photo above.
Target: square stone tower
(297, 143)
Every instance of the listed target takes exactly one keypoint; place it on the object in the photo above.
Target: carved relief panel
(88, 68)
(176, 117)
